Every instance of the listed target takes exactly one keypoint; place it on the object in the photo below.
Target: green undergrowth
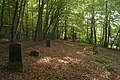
(111, 66)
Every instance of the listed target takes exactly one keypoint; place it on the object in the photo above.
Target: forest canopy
(88, 21)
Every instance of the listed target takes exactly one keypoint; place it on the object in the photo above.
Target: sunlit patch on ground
(44, 60)
(69, 44)
(73, 60)
(62, 61)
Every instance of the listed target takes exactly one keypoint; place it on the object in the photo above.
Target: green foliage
(78, 14)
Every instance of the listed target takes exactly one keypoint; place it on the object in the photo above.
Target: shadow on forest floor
(64, 60)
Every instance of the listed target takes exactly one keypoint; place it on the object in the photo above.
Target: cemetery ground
(63, 60)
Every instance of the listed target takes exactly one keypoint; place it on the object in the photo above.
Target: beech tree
(92, 21)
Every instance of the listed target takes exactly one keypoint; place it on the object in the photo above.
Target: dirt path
(62, 61)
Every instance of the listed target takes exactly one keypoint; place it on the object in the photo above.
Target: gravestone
(15, 57)
(35, 53)
(95, 49)
(48, 42)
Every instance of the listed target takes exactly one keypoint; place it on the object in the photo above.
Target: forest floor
(64, 60)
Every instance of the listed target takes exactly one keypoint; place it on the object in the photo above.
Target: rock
(15, 57)
(35, 53)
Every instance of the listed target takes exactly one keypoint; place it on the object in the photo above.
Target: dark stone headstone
(15, 57)
(35, 53)
(48, 43)
(95, 50)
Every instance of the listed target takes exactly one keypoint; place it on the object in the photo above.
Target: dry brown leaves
(62, 61)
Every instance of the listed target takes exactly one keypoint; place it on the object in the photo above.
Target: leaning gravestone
(15, 57)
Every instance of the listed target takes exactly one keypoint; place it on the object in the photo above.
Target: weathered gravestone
(15, 57)
(95, 49)
(48, 42)
(35, 53)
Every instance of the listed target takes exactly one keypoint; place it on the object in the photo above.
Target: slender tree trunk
(93, 24)
(91, 33)
(87, 32)
(58, 32)
(37, 26)
(115, 38)
(2, 14)
(46, 20)
(9, 18)
(53, 17)
(27, 29)
(65, 35)
(17, 27)
(46, 23)
(54, 31)
(41, 21)
(20, 24)
(106, 25)
(38, 32)
(32, 23)
(13, 22)
(109, 31)
(103, 34)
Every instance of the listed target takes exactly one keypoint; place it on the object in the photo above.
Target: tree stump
(35, 53)
(15, 57)
(48, 43)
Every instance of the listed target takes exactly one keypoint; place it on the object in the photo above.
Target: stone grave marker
(15, 57)
(35, 53)
(48, 42)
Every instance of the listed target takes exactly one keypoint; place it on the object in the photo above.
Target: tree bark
(87, 32)
(109, 32)
(115, 38)
(106, 25)
(2, 14)
(13, 22)
(38, 32)
(17, 26)
(65, 35)
(20, 23)
(26, 25)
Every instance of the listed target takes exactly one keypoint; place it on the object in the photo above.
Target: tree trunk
(87, 32)
(17, 26)
(21, 12)
(27, 31)
(38, 32)
(32, 23)
(91, 33)
(13, 22)
(65, 35)
(106, 25)
(94, 27)
(54, 31)
(2, 16)
(46, 20)
(115, 38)
(109, 32)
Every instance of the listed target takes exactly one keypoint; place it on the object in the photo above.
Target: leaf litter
(64, 60)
